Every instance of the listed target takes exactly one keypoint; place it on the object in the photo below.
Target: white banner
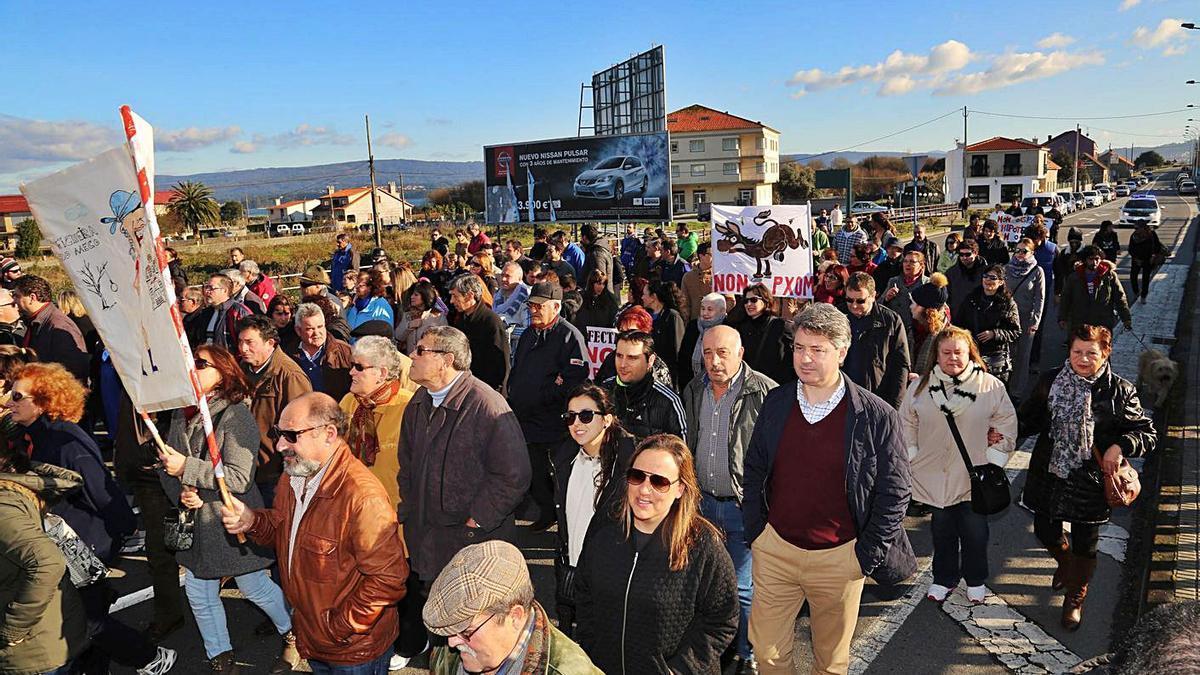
(92, 215)
(771, 245)
(1012, 228)
(600, 343)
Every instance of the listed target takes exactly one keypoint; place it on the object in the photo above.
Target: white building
(298, 211)
(999, 170)
(720, 158)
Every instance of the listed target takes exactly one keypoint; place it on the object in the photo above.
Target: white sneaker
(976, 594)
(937, 593)
(163, 661)
(398, 662)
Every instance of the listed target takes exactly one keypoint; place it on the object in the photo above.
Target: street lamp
(1189, 25)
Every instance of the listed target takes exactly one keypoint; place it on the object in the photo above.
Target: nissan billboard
(590, 178)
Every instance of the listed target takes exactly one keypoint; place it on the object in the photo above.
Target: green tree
(29, 238)
(232, 212)
(840, 163)
(797, 183)
(1067, 161)
(194, 206)
(1149, 158)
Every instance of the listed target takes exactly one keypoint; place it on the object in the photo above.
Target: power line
(1130, 133)
(880, 138)
(1074, 119)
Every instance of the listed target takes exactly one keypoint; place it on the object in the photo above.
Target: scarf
(698, 352)
(1017, 269)
(954, 394)
(1071, 422)
(363, 437)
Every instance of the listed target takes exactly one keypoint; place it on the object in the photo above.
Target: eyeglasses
(585, 416)
(1022, 251)
(201, 364)
(858, 301)
(991, 277)
(636, 477)
(283, 312)
(422, 350)
(209, 287)
(7, 304)
(359, 367)
(466, 636)
(753, 299)
(290, 435)
(968, 253)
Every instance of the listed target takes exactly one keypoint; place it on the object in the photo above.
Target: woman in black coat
(1146, 252)
(1079, 412)
(600, 449)
(655, 588)
(768, 348)
(991, 316)
(663, 299)
(599, 308)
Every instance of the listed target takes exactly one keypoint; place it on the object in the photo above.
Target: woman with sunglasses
(588, 470)
(768, 347)
(599, 308)
(1027, 283)
(655, 588)
(949, 256)
(280, 310)
(990, 315)
(187, 477)
(831, 288)
(375, 406)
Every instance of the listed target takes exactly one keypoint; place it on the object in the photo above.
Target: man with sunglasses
(992, 248)
(878, 358)
(644, 405)
(276, 380)
(483, 603)
(967, 274)
(826, 487)
(10, 271)
(12, 331)
(342, 567)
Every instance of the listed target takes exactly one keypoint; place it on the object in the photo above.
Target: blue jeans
(727, 516)
(204, 595)
(960, 541)
(377, 667)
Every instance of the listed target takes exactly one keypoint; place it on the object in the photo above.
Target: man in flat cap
(483, 603)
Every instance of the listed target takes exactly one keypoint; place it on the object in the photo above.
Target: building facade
(352, 207)
(13, 210)
(719, 158)
(998, 171)
(298, 211)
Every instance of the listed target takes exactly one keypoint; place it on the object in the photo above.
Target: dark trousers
(378, 666)
(960, 540)
(1143, 269)
(1085, 538)
(413, 635)
(111, 639)
(164, 571)
(541, 486)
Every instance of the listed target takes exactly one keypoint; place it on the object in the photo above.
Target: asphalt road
(898, 631)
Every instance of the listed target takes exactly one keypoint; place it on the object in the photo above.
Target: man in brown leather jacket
(342, 566)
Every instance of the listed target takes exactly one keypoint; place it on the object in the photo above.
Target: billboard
(630, 97)
(763, 244)
(603, 178)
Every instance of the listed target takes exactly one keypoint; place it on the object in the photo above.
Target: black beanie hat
(933, 293)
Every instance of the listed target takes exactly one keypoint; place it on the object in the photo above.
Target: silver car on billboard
(613, 178)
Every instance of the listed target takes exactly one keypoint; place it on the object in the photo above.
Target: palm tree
(194, 206)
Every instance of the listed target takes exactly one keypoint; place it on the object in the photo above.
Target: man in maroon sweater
(825, 490)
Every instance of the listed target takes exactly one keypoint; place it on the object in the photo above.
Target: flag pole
(160, 258)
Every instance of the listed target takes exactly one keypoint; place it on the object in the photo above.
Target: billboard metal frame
(631, 97)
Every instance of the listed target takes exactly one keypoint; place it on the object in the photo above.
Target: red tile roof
(1050, 165)
(351, 192)
(1106, 158)
(163, 197)
(286, 205)
(1001, 143)
(700, 118)
(13, 204)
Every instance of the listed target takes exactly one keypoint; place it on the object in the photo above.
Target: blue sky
(245, 85)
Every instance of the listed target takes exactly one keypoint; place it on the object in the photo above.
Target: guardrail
(926, 211)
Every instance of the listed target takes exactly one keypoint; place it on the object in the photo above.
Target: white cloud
(243, 148)
(303, 135)
(1017, 67)
(28, 144)
(193, 138)
(1128, 4)
(1168, 35)
(394, 140)
(1055, 41)
(897, 71)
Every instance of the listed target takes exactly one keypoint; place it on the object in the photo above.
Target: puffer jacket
(636, 616)
(980, 312)
(1119, 420)
(755, 387)
(41, 610)
(647, 407)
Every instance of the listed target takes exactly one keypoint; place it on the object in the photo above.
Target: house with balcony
(719, 158)
(296, 211)
(352, 207)
(998, 171)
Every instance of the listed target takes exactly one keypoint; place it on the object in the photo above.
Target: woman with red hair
(831, 287)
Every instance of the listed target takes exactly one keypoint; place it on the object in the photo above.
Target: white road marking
(871, 641)
(141, 595)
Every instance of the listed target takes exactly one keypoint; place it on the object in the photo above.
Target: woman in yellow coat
(375, 406)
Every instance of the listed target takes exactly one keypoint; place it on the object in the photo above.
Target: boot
(1079, 573)
(289, 657)
(225, 664)
(1059, 552)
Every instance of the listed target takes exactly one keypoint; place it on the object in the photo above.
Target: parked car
(1067, 205)
(1093, 198)
(297, 228)
(860, 208)
(1140, 209)
(282, 230)
(1045, 200)
(1106, 192)
(1080, 202)
(1122, 191)
(1187, 187)
(613, 178)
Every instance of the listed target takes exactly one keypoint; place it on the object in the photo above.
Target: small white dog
(1156, 376)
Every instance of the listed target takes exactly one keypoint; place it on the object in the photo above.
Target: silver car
(613, 178)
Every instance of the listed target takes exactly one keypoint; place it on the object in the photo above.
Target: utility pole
(964, 158)
(374, 196)
(403, 204)
(1075, 173)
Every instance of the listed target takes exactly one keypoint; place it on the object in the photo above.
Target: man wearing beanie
(10, 271)
(482, 601)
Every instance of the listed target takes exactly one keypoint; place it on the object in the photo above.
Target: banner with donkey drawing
(771, 245)
(94, 217)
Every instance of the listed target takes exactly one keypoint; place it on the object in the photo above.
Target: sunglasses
(359, 367)
(585, 416)
(753, 299)
(636, 477)
(290, 435)
(18, 397)
(201, 364)
(422, 350)
(1023, 251)
(857, 301)
(991, 277)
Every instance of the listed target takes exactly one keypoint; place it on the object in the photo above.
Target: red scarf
(364, 439)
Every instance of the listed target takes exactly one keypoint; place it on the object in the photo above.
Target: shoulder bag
(1122, 487)
(990, 493)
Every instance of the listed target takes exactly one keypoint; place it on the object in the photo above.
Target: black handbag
(990, 491)
(178, 529)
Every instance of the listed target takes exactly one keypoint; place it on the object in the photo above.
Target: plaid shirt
(844, 242)
(815, 412)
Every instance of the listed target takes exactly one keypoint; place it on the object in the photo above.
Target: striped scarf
(954, 394)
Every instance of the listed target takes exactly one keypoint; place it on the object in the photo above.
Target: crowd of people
(734, 457)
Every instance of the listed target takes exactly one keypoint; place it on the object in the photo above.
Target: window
(698, 169)
(674, 171)
(1010, 192)
(979, 194)
(678, 202)
(1012, 164)
(746, 197)
(674, 146)
(760, 168)
(696, 146)
(729, 168)
(698, 198)
(979, 166)
(729, 144)
(759, 143)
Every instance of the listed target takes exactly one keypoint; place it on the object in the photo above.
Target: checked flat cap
(476, 578)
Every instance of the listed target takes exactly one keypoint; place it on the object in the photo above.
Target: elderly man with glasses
(218, 323)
